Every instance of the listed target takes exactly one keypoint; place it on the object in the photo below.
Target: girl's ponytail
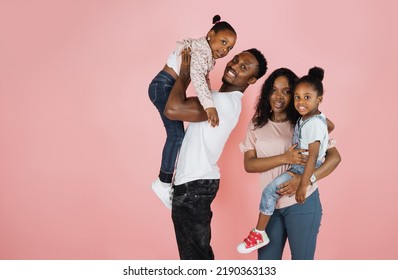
(216, 19)
(316, 72)
(314, 78)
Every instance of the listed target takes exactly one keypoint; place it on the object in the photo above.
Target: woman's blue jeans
(299, 224)
(159, 91)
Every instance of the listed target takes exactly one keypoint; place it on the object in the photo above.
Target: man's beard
(225, 81)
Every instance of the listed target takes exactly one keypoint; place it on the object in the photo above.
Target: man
(197, 174)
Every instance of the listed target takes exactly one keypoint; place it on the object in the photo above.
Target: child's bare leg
(262, 221)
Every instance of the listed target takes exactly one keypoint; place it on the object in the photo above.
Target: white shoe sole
(163, 194)
(245, 250)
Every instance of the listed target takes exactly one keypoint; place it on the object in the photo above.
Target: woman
(268, 150)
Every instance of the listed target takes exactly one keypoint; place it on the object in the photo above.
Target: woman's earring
(208, 39)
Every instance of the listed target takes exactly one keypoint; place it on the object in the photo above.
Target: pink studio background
(80, 141)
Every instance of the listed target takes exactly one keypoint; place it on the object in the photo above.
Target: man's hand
(179, 106)
(212, 116)
(185, 66)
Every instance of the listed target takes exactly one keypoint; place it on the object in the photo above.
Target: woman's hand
(295, 156)
(290, 187)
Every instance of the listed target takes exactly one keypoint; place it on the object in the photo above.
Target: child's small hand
(295, 156)
(212, 116)
(300, 194)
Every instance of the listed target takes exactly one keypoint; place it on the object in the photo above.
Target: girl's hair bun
(316, 72)
(216, 18)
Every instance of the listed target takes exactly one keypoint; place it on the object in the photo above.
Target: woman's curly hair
(263, 107)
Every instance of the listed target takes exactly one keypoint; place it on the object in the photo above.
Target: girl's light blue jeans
(269, 195)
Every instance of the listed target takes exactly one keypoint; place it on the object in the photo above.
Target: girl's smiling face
(221, 42)
(306, 100)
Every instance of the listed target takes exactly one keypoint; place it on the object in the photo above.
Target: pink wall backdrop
(80, 141)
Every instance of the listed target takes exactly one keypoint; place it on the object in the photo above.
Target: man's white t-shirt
(203, 144)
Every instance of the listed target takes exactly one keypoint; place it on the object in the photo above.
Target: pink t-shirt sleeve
(249, 142)
(331, 143)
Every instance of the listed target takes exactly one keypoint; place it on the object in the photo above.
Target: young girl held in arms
(217, 43)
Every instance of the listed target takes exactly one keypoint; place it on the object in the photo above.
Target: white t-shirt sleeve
(314, 130)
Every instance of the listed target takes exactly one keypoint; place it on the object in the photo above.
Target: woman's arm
(330, 125)
(332, 160)
(254, 164)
